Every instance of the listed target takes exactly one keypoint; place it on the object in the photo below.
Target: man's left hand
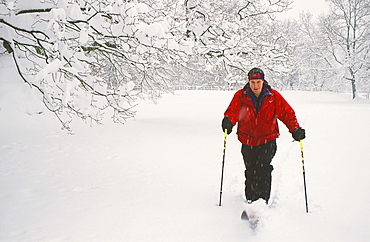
(299, 134)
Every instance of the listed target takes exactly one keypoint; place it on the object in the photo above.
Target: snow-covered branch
(87, 60)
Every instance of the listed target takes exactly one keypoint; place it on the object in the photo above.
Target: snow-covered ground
(157, 178)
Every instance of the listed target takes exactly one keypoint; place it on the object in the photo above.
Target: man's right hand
(226, 124)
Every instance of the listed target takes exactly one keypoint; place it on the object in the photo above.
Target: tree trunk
(353, 82)
(354, 91)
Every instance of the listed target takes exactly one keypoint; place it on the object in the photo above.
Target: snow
(157, 178)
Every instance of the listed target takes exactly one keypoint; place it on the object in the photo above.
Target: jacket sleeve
(285, 113)
(233, 110)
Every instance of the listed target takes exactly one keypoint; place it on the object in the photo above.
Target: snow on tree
(86, 57)
(91, 57)
(234, 36)
(347, 33)
(314, 69)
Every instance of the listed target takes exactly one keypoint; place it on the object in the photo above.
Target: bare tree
(314, 68)
(347, 32)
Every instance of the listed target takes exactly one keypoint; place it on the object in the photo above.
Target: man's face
(256, 86)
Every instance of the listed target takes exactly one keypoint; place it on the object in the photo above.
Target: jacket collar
(257, 101)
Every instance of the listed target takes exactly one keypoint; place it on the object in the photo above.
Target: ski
(252, 219)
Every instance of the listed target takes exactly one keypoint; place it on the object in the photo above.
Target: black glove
(226, 124)
(299, 134)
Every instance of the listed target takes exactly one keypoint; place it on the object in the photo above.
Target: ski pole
(304, 175)
(223, 165)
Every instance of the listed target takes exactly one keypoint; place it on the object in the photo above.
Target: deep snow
(157, 178)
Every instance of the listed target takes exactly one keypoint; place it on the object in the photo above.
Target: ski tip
(244, 215)
(252, 218)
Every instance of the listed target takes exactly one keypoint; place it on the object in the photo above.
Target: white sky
(315, 7)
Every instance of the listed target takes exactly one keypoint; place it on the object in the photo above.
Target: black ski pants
(258, 168)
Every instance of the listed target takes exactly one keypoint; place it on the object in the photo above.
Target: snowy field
(157, 178)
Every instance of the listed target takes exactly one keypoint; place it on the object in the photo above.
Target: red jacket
(256, 128)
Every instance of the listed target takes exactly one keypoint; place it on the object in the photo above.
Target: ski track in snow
(157, 178)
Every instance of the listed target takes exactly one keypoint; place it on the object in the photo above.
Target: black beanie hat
(256, 73)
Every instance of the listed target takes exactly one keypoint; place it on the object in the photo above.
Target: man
(256, 109)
